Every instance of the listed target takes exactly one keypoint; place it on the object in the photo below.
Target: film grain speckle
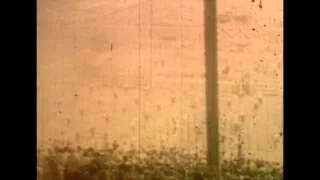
(147, 89)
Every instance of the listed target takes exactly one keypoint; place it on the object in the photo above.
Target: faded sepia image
(159, 90)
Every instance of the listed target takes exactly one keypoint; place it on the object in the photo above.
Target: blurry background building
(89, 91)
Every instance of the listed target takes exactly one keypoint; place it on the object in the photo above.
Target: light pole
(211, 63)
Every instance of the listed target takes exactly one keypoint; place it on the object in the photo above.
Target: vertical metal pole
(211, 63)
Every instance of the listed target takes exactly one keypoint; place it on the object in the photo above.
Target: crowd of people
(114, 163)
